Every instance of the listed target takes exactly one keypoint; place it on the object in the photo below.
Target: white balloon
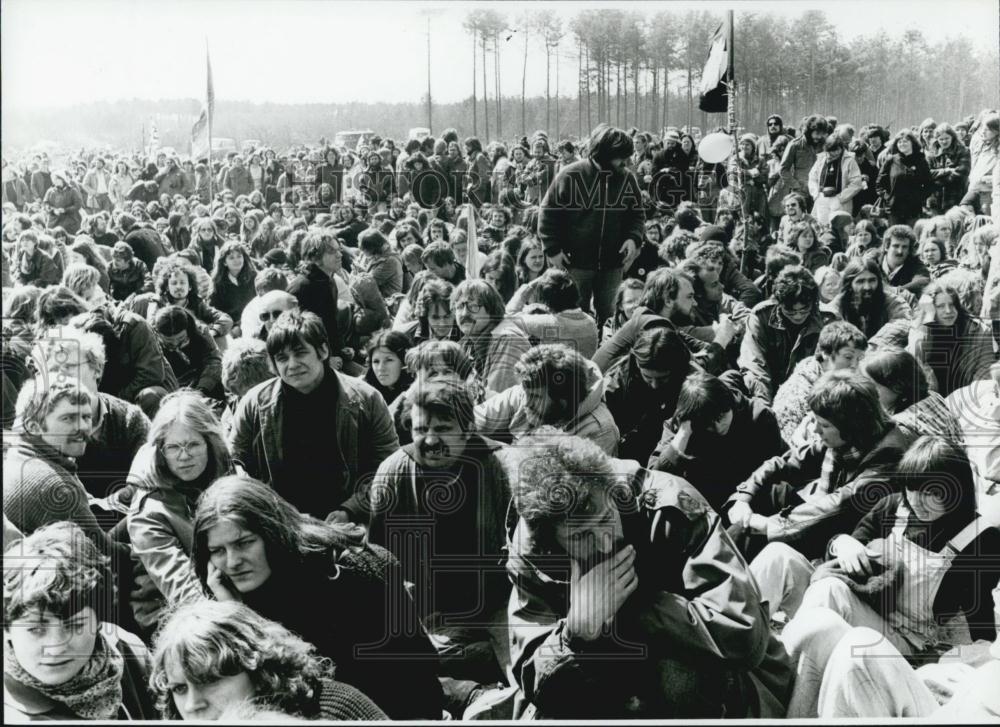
(716, 147)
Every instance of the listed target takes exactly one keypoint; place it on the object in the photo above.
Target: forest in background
(630, 69)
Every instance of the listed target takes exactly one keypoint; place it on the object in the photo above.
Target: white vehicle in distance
(222, 145)
(352, 139)
(419, 133)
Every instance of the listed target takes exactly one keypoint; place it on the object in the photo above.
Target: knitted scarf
(93, 694)
(837, 464)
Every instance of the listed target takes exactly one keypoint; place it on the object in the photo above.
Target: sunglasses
(269, 314)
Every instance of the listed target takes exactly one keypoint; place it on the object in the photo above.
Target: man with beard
(800, 156)
(40, 484)
(667, 301)
(237, 179)
(863, 299)
(558, 387)
(591, 219)
(439, 505)
(171, 179)
(775, 128)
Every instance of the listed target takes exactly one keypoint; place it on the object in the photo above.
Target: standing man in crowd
(591, 219)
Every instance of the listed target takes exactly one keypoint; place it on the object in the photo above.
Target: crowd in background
(440, 429)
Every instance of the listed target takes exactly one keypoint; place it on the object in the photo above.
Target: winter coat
(958, 355)
(316, 292)
(591, 234)
(480, 179)
(911, 275)
(851, 183)
(16, 192)
(199, 364)
(26, 704)
(796, 165)
(160, 527)
(949, 170)
(752, 438)
(231, 298)
(146, 244)
(904, 182)
(69, 200)
(404, 490)
(134, 358)
(365, 435)
(172, 181)
(133, 280)
(770, 349)
(39, 269)
(237, 180)
(816, 513)
(506, 416)
(386, 270)
(696, 606)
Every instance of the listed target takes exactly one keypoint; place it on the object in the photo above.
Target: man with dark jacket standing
(314, 287)
(591, 219)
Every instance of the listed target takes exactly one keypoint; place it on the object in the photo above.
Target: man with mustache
(800, 156)
(40, 484)
(439, 505)
(863, 299)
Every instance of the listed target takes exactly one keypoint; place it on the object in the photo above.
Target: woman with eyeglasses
(184, 454)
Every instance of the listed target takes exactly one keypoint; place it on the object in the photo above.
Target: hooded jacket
(588, 213)
(68, 199)
(696, 605)
(506, 415)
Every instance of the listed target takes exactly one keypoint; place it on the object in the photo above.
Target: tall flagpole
(209, 104)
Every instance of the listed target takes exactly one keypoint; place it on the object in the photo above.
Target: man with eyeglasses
(273, 304)
(781, 331)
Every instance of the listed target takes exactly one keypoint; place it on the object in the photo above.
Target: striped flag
(201, 132)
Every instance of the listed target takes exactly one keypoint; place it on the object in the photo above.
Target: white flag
(472, 249)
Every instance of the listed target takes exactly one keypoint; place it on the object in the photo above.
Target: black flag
(713, 95)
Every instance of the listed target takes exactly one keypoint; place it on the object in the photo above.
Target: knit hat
(752, 138)
(672, 135)
(276, 258)
(122, 250)
(712, 232)
(775, 117)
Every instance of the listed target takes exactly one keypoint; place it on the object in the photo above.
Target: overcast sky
(61, 52)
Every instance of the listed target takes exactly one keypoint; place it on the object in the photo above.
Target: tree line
(630, 69)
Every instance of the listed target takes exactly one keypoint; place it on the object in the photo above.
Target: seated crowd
(424, 434)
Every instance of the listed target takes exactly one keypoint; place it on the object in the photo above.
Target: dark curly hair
(794, 285)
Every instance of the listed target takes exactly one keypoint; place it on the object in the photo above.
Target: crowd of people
(440, 430)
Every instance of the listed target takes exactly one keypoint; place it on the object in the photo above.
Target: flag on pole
(472, 248)
(713, 95)
(201, 131)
